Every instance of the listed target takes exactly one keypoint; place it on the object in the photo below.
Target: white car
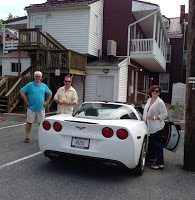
(110, 131)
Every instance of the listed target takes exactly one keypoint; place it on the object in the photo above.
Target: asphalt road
(26, 174)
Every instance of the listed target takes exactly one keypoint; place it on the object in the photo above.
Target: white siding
(6, 65)
(92, 83)
(123, 77)
(95, 39)
(73, 27)
(91, 87)
(68, 26)
(78, 86)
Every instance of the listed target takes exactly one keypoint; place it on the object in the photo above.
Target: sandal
(27, 140)
(156, 167)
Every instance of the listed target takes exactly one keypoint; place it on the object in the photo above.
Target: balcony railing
(149, 48)
(11, 45)
(142, 46)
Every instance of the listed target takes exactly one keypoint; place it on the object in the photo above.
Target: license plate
(82, 143)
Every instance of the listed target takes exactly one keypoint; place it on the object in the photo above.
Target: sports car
(109, 131)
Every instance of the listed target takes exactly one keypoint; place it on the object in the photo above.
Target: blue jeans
(155, 147)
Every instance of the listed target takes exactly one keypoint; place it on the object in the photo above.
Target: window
(168, 53)
(39, 26)
(184, 59)
(166, 24)
(15, 67)
(104, 111)
(164, 82)
(96, 24)
(38, 23)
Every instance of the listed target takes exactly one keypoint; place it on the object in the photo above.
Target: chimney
(182, 13)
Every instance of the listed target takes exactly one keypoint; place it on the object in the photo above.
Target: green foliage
(1, 21)
(181, 108)
(10, 16)
(172, 107)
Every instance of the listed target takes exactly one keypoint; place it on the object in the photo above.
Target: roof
(14, 19)
(104, 63)
(14, 54)
(146, 2)
(175, 26)
(64, 3)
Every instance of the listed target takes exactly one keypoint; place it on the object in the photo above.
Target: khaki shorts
(33, 116)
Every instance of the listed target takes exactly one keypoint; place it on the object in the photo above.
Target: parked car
(109, 131)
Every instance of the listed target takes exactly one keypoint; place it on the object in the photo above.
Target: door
(39, 21)
(105, 88)
(171, 136)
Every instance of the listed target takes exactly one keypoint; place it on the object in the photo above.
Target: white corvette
(102, 130)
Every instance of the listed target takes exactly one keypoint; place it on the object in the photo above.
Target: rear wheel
(142, 160)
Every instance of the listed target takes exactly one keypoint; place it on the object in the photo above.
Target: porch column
(134, 33)
(154, 30)
(163, 45)
(158, 34)
(19, 66)
(166, 51)
(129, 39)
(165, 48)
(161, 40)
(3, 39)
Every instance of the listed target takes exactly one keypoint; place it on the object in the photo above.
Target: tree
(10, 16)
(189, 143)
(1, 21)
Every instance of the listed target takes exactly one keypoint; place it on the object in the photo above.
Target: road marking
(12, 126)
(21, 159)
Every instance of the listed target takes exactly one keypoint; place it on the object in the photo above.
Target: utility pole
(189, 142)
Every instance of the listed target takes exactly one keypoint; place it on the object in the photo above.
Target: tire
(142, 160)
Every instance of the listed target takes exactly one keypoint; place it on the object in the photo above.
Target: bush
(181, 108)
(172, 107)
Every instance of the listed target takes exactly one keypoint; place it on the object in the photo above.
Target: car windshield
(106, 111)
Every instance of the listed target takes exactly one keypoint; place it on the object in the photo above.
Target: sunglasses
(67, 81)
(157, 91)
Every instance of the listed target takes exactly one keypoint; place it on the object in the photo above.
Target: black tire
(142, 160)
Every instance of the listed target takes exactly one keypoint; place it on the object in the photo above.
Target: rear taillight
(57, 126)
(46, 125)
(107, 132)
(122, 134)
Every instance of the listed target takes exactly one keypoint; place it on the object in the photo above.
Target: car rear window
(105, 111)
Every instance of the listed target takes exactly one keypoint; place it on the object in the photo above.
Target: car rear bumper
(118, 153)
(62, 155)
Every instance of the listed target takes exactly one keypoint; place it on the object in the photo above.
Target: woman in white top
(154, 115)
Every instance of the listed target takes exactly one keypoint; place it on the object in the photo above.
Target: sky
(169, 8)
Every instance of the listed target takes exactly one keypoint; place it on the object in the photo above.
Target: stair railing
(3, 87)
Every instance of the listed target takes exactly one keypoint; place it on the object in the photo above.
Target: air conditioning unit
(111, 48)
